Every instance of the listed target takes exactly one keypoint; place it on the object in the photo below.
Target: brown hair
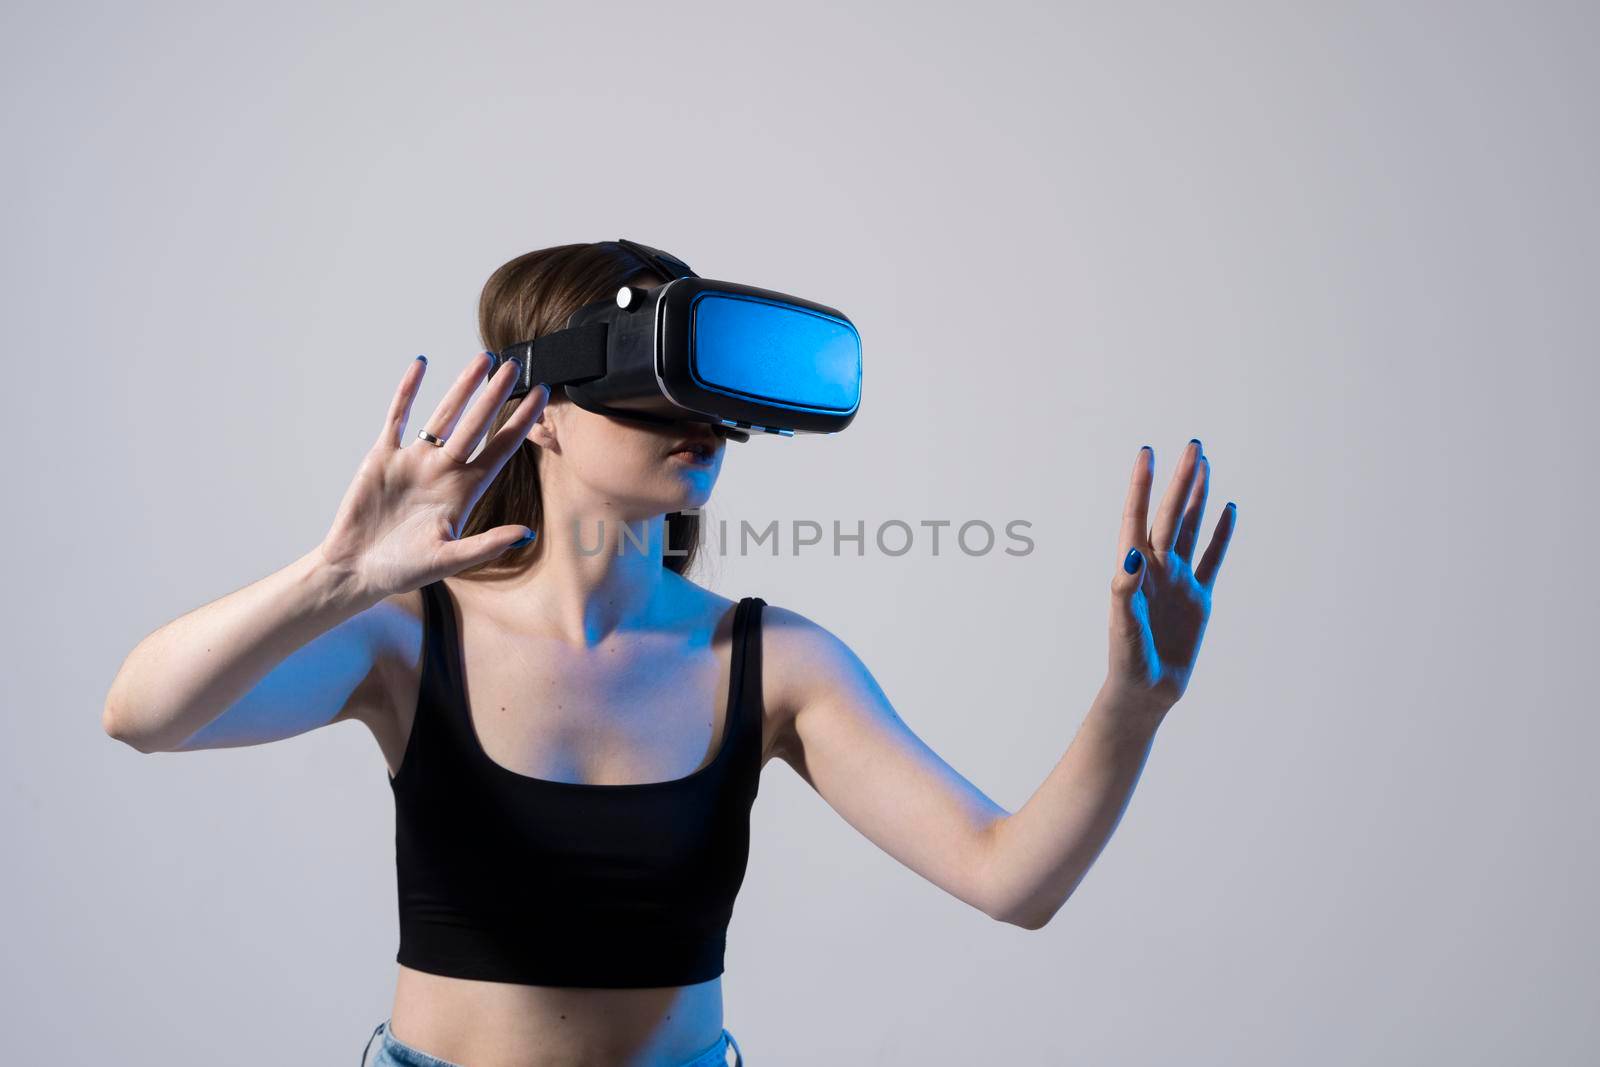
(529, 297)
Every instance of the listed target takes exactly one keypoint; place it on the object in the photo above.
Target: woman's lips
(695, 456)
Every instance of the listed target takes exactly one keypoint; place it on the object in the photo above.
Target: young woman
(574, 730)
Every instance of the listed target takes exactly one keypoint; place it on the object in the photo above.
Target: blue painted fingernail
(424, 360)
(1146, 448)
(1131, 561)
(529, 539)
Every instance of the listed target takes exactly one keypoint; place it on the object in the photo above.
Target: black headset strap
(575, 355)
(665, 264)
(566, 356)
(578, 354)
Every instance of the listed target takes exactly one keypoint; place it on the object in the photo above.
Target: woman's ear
(543, 431)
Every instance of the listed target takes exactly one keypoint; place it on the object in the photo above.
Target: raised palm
(397, 527)
(1160, 610)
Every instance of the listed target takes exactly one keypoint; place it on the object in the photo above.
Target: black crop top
(507, 878)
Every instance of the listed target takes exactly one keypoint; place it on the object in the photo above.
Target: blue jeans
(383, 1050)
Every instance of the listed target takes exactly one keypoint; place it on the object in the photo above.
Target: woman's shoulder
(802, 661)
(785, 631)
(800, 644)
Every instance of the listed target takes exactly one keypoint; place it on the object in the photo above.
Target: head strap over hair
(669, 266)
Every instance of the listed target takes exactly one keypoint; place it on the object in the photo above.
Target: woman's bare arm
(840, 733)
(303, 647)
(1160, 606)
(281, 656)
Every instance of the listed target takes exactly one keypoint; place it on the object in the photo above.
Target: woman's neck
(591, 575)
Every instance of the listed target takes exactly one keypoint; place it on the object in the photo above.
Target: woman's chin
(694, 483)
(685, 490)
(691, 501)
(688, 499)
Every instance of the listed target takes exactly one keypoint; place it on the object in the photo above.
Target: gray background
(1347, 246)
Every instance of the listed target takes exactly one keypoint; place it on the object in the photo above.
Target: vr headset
(692, 349)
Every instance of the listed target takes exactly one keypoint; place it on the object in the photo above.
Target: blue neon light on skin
(776, 352)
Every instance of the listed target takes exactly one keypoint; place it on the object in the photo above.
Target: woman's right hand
(396, 527)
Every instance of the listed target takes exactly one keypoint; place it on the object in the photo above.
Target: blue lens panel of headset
(775, 352)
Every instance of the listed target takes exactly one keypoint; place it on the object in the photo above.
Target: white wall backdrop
(1352, 247)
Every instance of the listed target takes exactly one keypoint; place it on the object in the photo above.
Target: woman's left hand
(1159, 608)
